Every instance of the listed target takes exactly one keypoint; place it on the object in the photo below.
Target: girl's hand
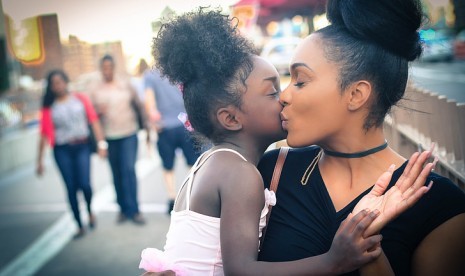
(406, 192)
(350, 250)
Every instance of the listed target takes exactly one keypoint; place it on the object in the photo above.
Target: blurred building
(35, 42)
(78, 57)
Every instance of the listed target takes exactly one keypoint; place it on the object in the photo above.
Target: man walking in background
(164, 103)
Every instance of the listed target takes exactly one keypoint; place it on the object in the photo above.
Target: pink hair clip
(185, 120)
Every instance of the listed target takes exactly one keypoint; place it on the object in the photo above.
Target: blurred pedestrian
(64, 125)
(137, 81)
(164, 105)
(119, 107)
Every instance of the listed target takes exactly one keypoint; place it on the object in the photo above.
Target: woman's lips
(284, 121)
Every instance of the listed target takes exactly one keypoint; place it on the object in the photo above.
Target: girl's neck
(251, 152)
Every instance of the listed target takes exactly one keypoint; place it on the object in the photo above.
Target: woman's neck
(376, 162)
(62, 97)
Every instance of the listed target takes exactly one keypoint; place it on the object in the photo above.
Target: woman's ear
(227, 117)
(359, 95)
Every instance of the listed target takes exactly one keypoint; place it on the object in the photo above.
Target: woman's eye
(299, 84)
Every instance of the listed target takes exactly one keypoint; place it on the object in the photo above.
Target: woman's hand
(40, 168)
(102, 153)
(404, 194)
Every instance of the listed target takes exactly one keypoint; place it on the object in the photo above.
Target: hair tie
(185, 120)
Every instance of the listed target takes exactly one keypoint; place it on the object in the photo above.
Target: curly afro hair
(203, 51)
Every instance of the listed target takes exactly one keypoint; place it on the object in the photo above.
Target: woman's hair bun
(392, 24)
(192, 47)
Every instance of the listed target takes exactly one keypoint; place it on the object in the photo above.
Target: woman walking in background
(65, 126)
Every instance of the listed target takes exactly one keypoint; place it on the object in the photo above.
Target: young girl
(231, 97)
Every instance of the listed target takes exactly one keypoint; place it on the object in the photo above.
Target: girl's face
(314, 108)
(261, 104)
(58, 85)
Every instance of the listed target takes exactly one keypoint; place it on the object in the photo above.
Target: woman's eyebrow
(299, 64)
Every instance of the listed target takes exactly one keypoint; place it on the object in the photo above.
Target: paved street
(36, 226)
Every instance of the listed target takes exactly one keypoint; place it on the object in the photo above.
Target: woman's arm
(153, 114)
(102, 146)
(40, 156)
(242, 199)
(442, 251)
(378, 267)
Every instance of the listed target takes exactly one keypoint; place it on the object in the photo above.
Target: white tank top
(193, 240)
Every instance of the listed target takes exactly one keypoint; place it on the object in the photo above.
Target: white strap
(200, 161)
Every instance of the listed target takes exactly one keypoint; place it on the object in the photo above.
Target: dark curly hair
(203, 51)
(374, 40)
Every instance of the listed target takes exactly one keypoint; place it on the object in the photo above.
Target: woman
(344, 79)
(118, 106)
(65, 126)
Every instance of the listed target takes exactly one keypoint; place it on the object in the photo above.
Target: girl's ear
(359, 95)
(227, 118)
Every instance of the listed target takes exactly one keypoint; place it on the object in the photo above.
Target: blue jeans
(73, 161)
(122, 154)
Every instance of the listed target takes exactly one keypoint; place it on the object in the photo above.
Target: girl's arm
(242, 199)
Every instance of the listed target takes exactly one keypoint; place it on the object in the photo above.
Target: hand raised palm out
(404, 194)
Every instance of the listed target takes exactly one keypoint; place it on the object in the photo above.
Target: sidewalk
(36, 226)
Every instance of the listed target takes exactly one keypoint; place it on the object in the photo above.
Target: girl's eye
(275, 94)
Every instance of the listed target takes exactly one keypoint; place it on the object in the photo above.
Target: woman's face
(58, 85)
(314, 108)
(261, 102)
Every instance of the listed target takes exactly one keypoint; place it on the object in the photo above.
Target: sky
(96, 21)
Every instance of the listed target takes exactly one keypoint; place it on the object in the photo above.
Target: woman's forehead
(310, 50)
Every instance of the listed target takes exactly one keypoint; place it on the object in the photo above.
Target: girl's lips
(284, 124)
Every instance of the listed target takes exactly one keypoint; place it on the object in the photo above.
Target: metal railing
(425, 117)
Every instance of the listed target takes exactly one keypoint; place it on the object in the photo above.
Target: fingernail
(391, 168)
(430, 184)
(432, 146)
(375, 213)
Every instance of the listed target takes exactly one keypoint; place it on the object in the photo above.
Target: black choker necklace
(356, 154)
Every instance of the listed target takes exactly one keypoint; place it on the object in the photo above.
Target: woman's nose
(285, 97)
